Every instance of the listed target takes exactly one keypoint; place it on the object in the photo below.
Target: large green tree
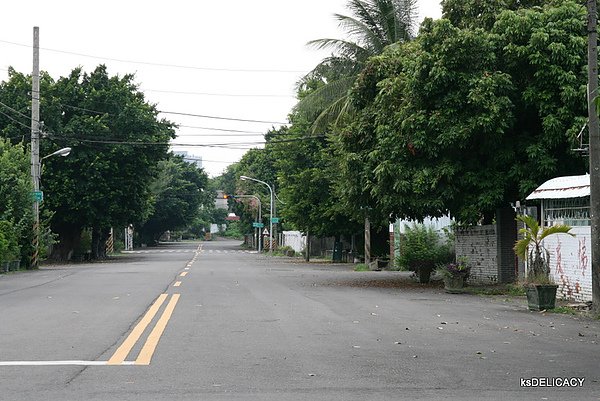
(465, 120)
(117, 140)
(177, 198)
(307, 176)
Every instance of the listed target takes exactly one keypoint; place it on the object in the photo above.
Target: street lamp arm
(244, 178)
(61, 152)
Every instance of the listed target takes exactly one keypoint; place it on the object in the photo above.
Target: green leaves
(467, 117)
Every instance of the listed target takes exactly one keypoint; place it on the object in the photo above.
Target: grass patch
(512, 290)
(361, 267)
(564, 310)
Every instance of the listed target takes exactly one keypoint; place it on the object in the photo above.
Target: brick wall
(571, 263)
(479, 245)
(506, 232)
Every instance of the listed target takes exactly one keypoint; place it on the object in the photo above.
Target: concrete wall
(479, 245)
(294, 239)
(571, 263)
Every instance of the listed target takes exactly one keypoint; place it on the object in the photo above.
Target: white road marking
(60, 363)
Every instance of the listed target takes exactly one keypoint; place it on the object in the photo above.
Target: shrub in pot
(421, 249)
(541, 290)
(454, 274)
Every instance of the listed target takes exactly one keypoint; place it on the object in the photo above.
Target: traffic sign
(274, 220)
(38, 196)
(266, 231)
(258, 225)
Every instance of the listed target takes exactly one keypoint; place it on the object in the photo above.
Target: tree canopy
(464, 120)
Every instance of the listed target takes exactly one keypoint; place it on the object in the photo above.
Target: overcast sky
(236, 59)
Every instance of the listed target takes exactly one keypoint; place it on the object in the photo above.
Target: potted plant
(454, 274)
(540, 288)
(421, 249)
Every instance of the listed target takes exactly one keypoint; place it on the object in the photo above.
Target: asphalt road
(235, 325)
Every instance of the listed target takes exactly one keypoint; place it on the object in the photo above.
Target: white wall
(295, 240)
(571, 263)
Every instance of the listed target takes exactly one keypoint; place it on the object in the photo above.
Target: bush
(422, 246)
(233, 230)
(9, 243)
(285, 251)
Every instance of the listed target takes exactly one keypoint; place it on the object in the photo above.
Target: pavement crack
(37, 285)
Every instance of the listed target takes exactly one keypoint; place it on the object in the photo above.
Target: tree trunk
(99, 237)
(307, 247)
(69, 238)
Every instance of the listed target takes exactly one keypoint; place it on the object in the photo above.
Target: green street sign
(38, 196)
(258, 225)
(274, 220)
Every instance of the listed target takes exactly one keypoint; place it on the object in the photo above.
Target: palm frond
(557, 229)
(531, 224)
(323, 98)
(406, 17)
(366, 12)
(341, 48)
(330, 115)
(375, 40)
(521, 247)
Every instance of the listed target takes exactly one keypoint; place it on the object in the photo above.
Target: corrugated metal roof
(574, 186)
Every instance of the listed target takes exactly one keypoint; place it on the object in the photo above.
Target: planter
(454, 284)
(424, 274)
(541, 297)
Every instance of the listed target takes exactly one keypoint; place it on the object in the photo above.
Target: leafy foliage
(463, 121)
(421, 246)
(117, 141)
(16, 215)
(177, 198)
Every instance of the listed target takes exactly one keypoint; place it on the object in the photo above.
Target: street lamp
(245, 178)
(61, 152)
(38, 198)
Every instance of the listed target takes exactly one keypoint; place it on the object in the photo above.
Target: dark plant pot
(541, 297)
(424, 274)
(454, 284)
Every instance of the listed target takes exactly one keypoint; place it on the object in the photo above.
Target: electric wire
(221, 118)
(188, 67)
(14, 120)
(217, 94)
(15, 111)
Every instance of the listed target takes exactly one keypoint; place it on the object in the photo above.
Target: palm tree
(374, 25)
(533, 235)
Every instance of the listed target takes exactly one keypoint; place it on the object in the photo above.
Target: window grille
(572, 211)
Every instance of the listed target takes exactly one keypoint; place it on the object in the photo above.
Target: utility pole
(594, 150)
(35, 143)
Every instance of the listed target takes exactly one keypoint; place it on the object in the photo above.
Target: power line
(14, 120)
(221, 118)
(183, 114)
(15, 111)
(140, 143)
(220, 129)
(217, 94)
(187, 67)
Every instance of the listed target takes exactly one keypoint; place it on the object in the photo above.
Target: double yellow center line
(145, 355)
